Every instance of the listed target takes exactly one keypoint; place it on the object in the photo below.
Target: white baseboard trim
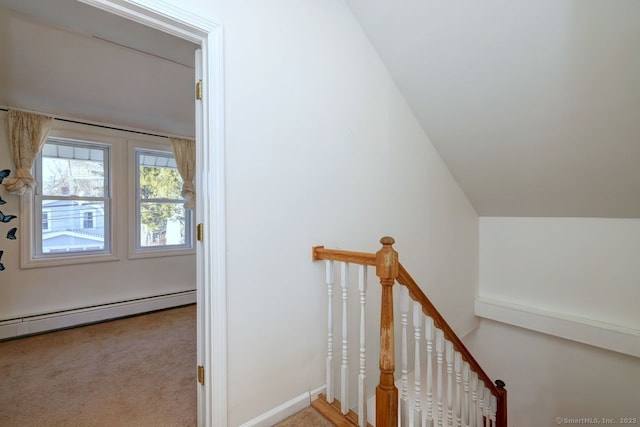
(317, 392)
(65, 319)
(285, 410)
(612, 337)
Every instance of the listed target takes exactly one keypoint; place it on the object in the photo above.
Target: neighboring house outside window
(88, 220)
(46, 213)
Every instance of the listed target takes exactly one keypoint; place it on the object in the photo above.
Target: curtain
(27, 134)
(184, 151)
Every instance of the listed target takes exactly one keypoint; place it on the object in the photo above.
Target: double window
(84, 205)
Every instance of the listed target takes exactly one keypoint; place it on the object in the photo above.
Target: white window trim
(76, 132)
(157, 144)
(123, 199)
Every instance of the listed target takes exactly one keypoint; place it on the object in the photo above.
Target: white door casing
(210, 186)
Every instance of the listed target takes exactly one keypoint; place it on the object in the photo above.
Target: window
(162, 222)
(99, 189)
(71, 202)
(45, 219)
(88, 220)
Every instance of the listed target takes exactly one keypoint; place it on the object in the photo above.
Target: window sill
(161, 253)
(67, 260)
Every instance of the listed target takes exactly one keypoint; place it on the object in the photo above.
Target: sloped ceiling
(534, 105)
(69, 59)
(93, 22)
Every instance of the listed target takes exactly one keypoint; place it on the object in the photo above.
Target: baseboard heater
(28, 325)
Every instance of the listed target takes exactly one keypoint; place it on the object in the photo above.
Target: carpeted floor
(138, 371)
(308, 417)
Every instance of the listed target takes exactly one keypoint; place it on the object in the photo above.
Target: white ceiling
(534, 105)
(69, 59)
(93, 22)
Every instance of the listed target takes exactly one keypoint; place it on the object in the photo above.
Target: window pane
(158, 178)
(65, 228)
(162, 224)
(69, 170)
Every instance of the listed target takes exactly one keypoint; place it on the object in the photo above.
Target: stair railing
(478, 402)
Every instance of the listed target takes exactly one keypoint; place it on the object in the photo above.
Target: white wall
(321, 150)
(575, 278)
(549, 377)
(42, 290)
(584, 267)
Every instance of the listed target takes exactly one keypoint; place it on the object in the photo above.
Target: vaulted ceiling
(72, 60)
(534, 105)
(87, 20)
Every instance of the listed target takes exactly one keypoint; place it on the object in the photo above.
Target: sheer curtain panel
(184, 151)
(27, 134)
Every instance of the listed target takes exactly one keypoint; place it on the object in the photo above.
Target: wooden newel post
(501, 413)
(386, 392)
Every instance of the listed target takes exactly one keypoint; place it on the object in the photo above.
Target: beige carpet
(138, 371)
(308, 417)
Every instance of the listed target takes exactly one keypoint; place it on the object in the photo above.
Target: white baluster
(473, 411)
(440, 367)
(493, 410)
(344, 370)
(404, 379)
(329, 279)
(487, 403)
(362, 392)
(417, 332)
(449, 354)
(480, 407)
(429, 335)
(457, 367)
(465, 404)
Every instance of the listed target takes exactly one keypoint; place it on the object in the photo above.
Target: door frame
(210, 190)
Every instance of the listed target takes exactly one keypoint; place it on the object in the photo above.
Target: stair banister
(476, 381)
(405, 279)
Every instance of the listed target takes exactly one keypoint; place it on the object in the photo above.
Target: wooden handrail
(363, 258)
(389, 270)
(405, 279)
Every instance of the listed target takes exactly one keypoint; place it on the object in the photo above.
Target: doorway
(211, 273)
(209, 182)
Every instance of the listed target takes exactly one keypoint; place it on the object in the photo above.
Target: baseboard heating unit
(28, 325)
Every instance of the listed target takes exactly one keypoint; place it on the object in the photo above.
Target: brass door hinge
(200, 232)
(199, 89)
(201, 374)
